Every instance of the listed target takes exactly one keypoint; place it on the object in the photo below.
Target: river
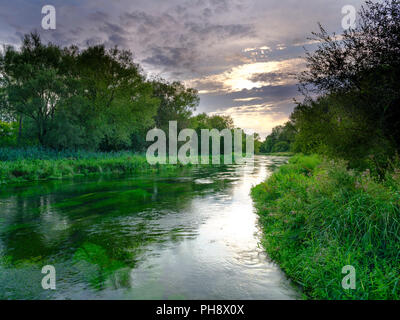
(156, 236)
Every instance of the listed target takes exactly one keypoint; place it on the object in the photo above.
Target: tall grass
(319, 217)
(38, 153)
(33, 164)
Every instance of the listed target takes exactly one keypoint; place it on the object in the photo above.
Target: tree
(8, 134)
(177, 103)
(362, 69)
(69, 98)
(31, 83)
(204, 121)
(280, 139)
(218, 122)
(119, 102)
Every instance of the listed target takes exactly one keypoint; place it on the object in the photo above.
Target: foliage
(280, 140)
(324, 126)
(351, 86)
(318, 217)
(176, 103)
(93, 98)
(32, 167)
(8, 134)
(39, 153)
(204, 121)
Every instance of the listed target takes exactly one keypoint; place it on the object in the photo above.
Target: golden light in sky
(242, 77)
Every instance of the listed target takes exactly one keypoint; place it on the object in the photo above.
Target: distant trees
(280, 139)
(204, 121)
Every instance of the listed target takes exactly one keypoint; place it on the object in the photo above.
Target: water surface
(191, 236)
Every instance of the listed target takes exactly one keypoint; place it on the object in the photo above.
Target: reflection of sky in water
(194, 236)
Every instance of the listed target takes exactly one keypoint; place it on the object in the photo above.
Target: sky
(241, 55)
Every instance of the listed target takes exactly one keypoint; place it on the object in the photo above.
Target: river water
(188, 236)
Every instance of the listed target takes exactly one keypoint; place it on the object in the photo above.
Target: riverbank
(318, 217)
(278, 154)
(34, 165)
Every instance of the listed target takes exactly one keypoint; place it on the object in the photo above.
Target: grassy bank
(279, 154)
(18, 165)
(319, 217)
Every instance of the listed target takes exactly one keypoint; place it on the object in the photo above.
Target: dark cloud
(145, 20)
(273, 77)
(220, 32)
(220, 6)
(117, 40)
(111, 28)
(99, 16)
(171, 57)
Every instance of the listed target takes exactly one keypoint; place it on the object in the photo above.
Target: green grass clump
(318, 217)
(38, 153)
(279, 154)
(38, 169)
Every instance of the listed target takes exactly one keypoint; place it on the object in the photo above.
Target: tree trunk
(19, 131)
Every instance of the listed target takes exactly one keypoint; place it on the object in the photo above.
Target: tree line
(92, 99)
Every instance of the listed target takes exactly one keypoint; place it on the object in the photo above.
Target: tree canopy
(92, 98)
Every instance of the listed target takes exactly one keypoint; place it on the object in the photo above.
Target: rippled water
(194, 236)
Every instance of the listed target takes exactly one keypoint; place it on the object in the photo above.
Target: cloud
(171, 57)
(265, 95)
(251, 75)
(274, 77)
(247, 99)
(206, 31)
(260, 118)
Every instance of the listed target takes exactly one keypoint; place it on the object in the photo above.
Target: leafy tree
(257, 143)
(177, 103)
(219, 122)
(32, 85)
(281, 146)
(280, 140)
(204, 121)
(8, 134)
(69, 98)
(361, 70)
(119, 102)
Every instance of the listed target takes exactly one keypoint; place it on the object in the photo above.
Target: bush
(281, 146)
(8, 134)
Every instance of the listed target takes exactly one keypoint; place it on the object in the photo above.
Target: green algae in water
(97, 266)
